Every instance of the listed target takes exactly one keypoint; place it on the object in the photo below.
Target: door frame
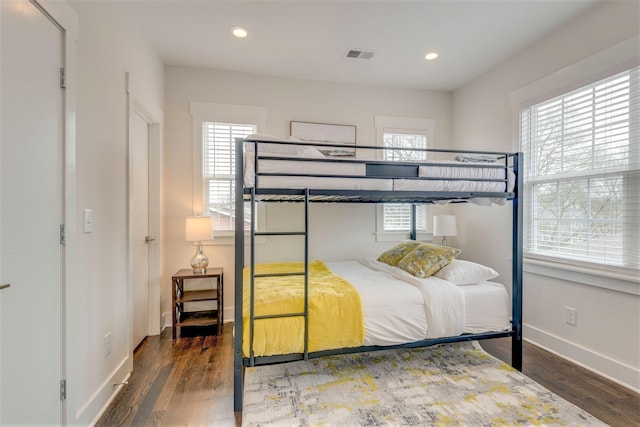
(153, 116)
(65, 17)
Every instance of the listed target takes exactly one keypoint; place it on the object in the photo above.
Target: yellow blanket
(335, 310)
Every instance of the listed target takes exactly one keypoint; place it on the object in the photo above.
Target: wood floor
(189, 382)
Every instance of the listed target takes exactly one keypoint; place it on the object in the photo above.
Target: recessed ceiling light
(239, 32)
(431, 56)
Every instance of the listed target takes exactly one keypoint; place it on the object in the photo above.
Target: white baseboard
(105, 393)
(618, 372)
(167, 320)
(228, 315)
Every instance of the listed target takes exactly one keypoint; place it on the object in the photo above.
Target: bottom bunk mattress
(365, 302)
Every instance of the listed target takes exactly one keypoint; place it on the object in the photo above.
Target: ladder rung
(280, 233)
(301, 273)
(277, 316)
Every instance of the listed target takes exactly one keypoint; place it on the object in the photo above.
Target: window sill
(615, 280)
(229, 238)
(398, 236)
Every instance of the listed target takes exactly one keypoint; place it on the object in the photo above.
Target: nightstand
(182, 295)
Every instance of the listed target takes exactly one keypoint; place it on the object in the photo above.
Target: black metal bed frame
(375, 169)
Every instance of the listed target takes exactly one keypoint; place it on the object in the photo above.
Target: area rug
(451, 384)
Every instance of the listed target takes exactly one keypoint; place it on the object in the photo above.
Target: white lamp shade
(198, 228)
(444, 225)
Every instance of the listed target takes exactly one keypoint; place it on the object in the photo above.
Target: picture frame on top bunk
(325, 133)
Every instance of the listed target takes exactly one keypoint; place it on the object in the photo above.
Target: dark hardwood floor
(615, 405)
(189, 382)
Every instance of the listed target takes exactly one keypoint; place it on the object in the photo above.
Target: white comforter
(400, 308)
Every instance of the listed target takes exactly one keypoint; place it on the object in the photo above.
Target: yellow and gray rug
(452, 384)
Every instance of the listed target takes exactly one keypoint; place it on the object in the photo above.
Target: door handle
(5, 286)
(148, 239)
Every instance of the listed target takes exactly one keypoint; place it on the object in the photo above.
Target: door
(140, 226)
(31, 123)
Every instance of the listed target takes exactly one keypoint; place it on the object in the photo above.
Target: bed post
(516, 282)
(413, 234)
(239, 265)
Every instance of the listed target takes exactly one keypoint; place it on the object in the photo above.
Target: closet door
(30, 216)
(140, 227)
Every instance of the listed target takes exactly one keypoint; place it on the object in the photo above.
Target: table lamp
(197, 229)
(444, 225)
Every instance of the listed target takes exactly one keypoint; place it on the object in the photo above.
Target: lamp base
(444, 241)
(199, 262)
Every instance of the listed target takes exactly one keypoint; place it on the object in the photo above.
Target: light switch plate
(87, 221)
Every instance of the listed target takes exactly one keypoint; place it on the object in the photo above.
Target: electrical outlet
(570, 315)
(107, 344)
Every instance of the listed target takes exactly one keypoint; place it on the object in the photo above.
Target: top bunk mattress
(288, 166)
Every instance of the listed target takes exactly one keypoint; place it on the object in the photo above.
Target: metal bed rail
(282, 358)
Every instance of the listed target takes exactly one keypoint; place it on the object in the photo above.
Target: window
(394, 219)
(215, 127)
(397, 216)
(219, 159)
(582, 181)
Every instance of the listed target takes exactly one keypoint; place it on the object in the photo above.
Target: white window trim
(617, 58)
(224, 113)
(402, 124)
(615, 280)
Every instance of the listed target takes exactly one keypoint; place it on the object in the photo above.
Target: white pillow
(463, 272)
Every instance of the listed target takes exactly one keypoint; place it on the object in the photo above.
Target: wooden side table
(181, 295)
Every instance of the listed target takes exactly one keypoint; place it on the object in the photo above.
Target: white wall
(607, 335)
(97, 295)
(338, 231)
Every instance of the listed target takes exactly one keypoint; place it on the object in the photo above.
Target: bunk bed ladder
(253, 276)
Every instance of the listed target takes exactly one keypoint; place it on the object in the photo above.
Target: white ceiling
(308, 39)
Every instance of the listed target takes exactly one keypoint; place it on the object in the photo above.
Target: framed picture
(322, 133)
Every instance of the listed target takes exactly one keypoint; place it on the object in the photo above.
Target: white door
(140, 227)
(31, 213)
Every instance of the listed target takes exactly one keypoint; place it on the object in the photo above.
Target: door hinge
(63, 389)
(62, 235)
(63, 78)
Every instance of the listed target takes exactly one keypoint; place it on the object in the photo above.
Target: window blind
(582, 174)
(219, 171)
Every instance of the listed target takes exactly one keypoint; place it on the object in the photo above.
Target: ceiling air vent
(359, 54)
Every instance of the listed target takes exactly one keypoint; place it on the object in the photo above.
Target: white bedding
(358, 170)
(400, 308)
(487, 307)
(393, 310)
(447, 172)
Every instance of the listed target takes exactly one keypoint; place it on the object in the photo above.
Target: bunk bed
(270, 170)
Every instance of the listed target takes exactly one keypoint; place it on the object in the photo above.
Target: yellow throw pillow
(399, 251)
(427, 259)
